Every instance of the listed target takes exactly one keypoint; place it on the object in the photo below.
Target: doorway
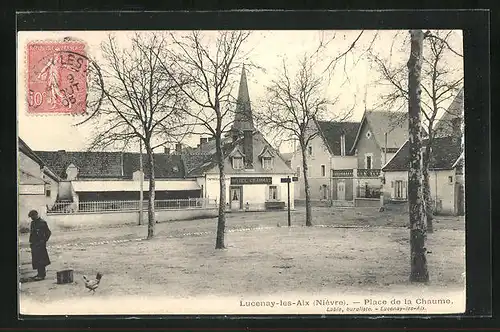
(235, 197)
(460, 199)
(341, 191)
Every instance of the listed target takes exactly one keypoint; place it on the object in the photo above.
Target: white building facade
(255, 172)
(446, 176)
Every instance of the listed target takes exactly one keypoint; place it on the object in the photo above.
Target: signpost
(287, 180)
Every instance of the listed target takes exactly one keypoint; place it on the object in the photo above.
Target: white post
(141, 181)
(385, 149)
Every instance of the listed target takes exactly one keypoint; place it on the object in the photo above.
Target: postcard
(232, 172)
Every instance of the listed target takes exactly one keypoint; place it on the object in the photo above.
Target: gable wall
(320, 156)
(368, 145)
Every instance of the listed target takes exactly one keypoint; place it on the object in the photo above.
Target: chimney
(166, 150)
(248, 148)
(61, 151)
(342, 144)
(203, 140)
(178, 148)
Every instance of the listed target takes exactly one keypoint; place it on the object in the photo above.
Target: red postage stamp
(57, 77)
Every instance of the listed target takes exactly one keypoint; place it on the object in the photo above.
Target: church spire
(243, 118)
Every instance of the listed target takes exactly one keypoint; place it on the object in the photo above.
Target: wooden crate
(65, 276)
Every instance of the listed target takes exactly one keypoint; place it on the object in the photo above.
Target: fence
(366, 191)
(114, 206)
(368, 173)
(338, 173)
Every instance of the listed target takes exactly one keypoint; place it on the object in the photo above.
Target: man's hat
(32, 213)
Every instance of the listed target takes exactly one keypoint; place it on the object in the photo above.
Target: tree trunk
(429, 210)
(221, 222)
(306, 186)
(419, 271)
(151, 199)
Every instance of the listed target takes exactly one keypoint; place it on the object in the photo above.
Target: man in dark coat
(39, 235)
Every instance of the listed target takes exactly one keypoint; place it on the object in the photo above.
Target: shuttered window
(399, 189)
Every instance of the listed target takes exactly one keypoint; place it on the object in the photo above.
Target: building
(346, 157)
(451, 121)
(253, 168)
(115, 176)
(327, 151)
(446, 172)
(37, 184)
(254, 171)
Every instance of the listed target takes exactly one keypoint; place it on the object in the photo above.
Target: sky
(353, 83)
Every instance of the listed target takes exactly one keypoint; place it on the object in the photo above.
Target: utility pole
(141, 181)
(288, 185)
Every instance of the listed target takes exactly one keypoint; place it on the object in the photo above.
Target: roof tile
(332, 131)
(445, 152)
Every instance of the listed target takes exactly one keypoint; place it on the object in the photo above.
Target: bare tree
(294, 101)
(440, 82)
(209, 66)
(419, 271)
(139, 102)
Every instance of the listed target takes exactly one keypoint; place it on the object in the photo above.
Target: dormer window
(237, 159)
(71, 172)
(267, 159)
(237, 162)
(342, 145)
(267, 162)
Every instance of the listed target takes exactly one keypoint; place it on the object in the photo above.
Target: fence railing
(117, 206)
(368, 192)
(338, 173)
(368, 173)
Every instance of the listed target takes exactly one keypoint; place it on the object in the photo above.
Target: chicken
(92, 285)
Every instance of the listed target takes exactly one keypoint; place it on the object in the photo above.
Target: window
(175, 169)
(310, 149)
(47, 192)
(323, 170)
(267, 162)
(298, 171)
(368, 161)
(368, 134)
(399, 190)
(273, 193)
(450, 179)
(237, 162)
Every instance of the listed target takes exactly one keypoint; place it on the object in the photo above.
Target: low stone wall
(314, 203)
(402, 207)
(93, 219)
